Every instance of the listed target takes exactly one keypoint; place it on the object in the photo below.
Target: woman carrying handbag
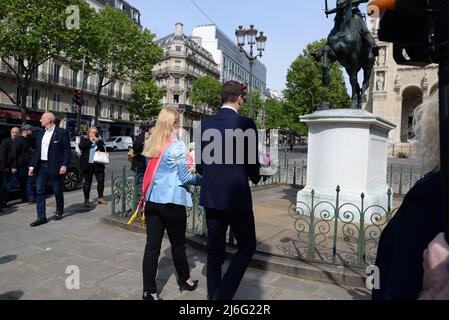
(165, 198)
(93, 151)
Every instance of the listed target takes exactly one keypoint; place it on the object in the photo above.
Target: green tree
(35, 31)
(304, 80)
(146, 100)
(275, 116)
(205, 93)
(258, 106)
(117, 49)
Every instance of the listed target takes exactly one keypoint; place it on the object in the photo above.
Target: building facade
(183, 61)
(54, 84)
(395, 92)
(232, 63)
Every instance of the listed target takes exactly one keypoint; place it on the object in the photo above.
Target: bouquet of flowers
(191, 158)
(268, 166)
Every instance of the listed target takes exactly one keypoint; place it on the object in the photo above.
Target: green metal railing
(400, 178)
(126, 195)
(344, 234)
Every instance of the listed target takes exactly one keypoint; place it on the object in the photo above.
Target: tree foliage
(35, 31)
(117, 49)
(205, 93)
(304, 80)
(146, 100)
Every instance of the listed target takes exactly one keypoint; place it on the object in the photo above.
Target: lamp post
(253, 38)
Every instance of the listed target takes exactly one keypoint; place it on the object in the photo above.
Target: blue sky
(289, 24)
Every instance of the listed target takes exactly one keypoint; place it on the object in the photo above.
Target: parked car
(119, 143)
(74, 174)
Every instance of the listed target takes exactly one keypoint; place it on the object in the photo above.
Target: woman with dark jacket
(88, 146)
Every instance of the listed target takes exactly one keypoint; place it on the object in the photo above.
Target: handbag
(101, 157)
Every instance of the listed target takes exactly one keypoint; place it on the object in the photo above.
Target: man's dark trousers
(26, 185)
(242, 224)
(43, 177)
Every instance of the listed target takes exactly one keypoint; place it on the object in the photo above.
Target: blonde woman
(90, 144)
(166, 198)
(419, 219)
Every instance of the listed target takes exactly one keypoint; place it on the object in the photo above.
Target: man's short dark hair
(231, 91)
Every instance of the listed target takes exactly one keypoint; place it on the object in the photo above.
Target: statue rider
(359, 20)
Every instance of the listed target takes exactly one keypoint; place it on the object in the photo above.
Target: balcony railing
(203, 64)
(174, 54)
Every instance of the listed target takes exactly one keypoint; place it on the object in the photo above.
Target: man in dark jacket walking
(225, 190)
(8, 166)
(50, 161)
(24, 153)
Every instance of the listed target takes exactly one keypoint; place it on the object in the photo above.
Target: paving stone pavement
(33, 262)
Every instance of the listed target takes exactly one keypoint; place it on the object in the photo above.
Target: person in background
(419, 219)
(88, 146)
(139, 162)
(24, 152)
(8, 162)
(50, 161)
(166, 198)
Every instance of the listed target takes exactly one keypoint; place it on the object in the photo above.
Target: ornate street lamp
(252, 37)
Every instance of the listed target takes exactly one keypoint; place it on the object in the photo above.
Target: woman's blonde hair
(163, 130)
(426, 125)
(90, 129)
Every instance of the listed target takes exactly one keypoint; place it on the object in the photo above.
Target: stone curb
(307, 270)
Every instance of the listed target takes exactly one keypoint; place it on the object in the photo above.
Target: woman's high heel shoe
(185, 286)
(149, 297)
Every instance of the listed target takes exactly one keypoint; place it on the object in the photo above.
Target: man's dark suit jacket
(58, 151)
(225, 186)
(8, 158)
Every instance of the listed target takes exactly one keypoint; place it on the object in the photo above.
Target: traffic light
(78, 99)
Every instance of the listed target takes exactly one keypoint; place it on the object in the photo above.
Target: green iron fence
(400, 178)
(345, 234)
(126, 194)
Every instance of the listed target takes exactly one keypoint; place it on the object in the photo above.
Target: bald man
(50, 161)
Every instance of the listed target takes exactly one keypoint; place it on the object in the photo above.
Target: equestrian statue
(352, 45)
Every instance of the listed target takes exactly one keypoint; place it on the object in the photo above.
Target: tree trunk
(97, 100)
(23, 101)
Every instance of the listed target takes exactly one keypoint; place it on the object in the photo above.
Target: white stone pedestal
(347, 148)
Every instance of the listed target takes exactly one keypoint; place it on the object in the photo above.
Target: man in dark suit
(24, 153)
(8, 165)
(225, 191)
(50, 161)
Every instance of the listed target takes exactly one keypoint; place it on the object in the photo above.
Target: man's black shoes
(38, 223)
(58, 217)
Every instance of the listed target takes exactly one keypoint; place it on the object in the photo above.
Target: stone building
(54, 84)
(395, 92)
(183, 61)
